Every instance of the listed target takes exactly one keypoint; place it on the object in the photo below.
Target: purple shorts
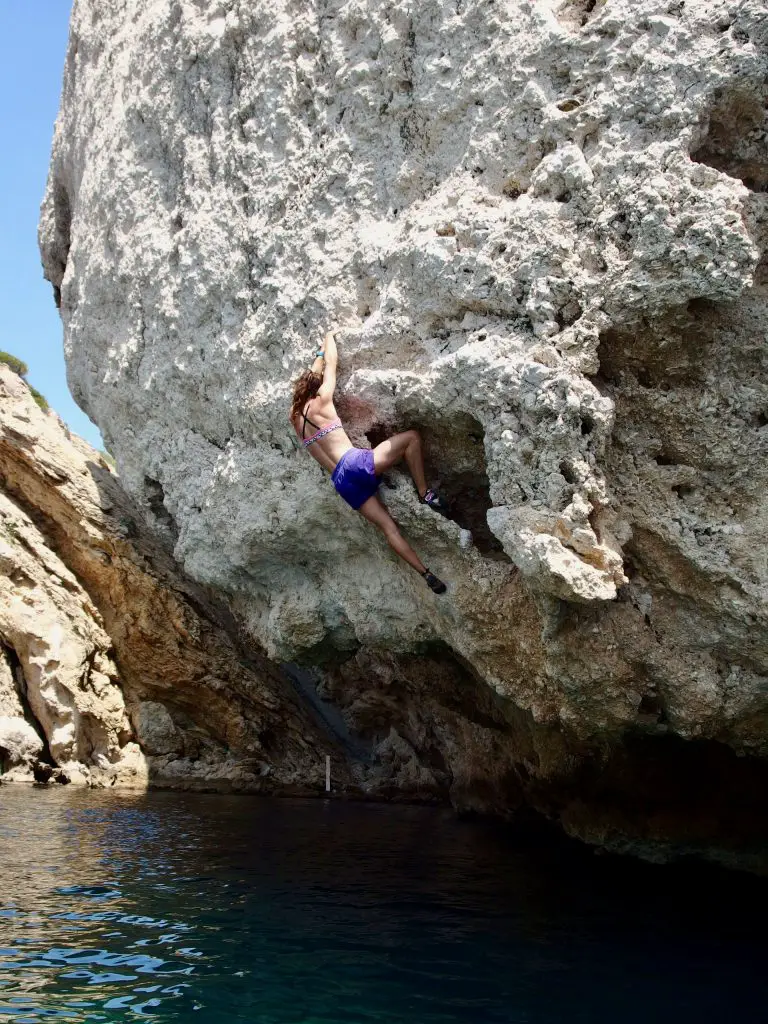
(354, 477)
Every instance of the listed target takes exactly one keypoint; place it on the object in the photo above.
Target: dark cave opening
(644, 786)
(664, 458)
(683, 490)
(154, 496)
(651, 709)
(437, 704)
(468, 497)
(454, 455)
(576, 13)
(62, 213)
(735, 141)
(702, 787)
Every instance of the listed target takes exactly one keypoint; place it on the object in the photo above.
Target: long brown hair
(305, 387)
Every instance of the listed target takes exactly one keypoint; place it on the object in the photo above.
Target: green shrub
(40, 399)
(20, 367)
(16, 364)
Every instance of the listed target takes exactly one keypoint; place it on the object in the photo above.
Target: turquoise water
(216, 909)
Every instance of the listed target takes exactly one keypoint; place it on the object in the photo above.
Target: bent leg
(374, 512)
(407, 446)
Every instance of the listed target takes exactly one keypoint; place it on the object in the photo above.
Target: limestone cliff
(115, 669)
(542, 226)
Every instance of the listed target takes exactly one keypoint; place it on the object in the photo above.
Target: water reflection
(123, 907)
(73, 951)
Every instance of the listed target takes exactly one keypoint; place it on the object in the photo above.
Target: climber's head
(305, 387)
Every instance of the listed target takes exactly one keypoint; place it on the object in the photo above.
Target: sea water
(180, 907)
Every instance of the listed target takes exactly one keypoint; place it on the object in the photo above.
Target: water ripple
(169, 907)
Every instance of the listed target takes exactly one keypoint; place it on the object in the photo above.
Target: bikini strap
(306, 421)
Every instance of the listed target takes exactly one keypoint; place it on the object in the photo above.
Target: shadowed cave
(454, 455)
(735, 141)
(459, 740)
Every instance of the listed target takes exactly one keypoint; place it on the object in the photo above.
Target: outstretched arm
(329, 372)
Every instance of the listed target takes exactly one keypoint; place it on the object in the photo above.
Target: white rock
(494, 208)
(19, 741)
(10, 703)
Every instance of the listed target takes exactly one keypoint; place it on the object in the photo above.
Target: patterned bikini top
(320, 432)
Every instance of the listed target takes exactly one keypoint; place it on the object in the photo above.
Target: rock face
(542, 226)
(114, 669)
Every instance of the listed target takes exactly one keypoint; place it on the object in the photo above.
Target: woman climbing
(356, 472)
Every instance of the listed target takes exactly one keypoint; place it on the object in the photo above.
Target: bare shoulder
(323, 405)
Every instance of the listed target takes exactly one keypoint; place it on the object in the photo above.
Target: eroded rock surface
(541, 226)
(114, 669)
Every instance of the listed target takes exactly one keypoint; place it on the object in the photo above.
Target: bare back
(326, 450)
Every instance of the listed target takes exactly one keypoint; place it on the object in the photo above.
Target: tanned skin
(329, 449)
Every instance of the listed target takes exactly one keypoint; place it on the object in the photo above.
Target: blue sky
(33, 44)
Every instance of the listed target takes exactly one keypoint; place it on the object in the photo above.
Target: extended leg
(374, 512)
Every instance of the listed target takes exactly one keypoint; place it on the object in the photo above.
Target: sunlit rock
(541, 227)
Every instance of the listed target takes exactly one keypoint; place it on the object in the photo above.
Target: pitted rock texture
(115, 669)
(541, 226)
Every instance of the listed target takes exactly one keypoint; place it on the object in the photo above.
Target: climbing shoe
(434, 583)
(435, 502)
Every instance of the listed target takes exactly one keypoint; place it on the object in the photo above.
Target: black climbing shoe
(434, 583)
(435, 502)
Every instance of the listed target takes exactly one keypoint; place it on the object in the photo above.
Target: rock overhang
(481, 195)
